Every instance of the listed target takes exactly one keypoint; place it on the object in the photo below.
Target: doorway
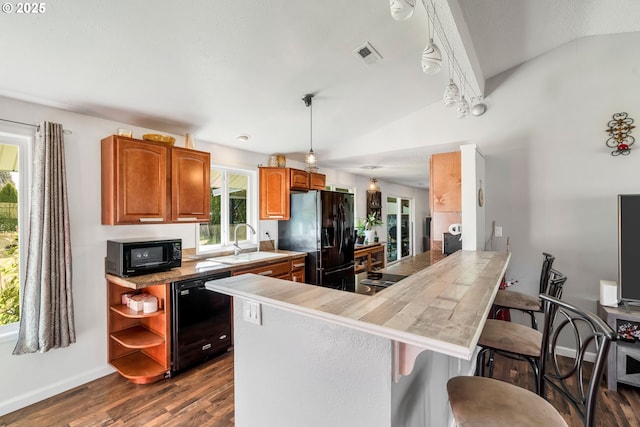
(399, 228)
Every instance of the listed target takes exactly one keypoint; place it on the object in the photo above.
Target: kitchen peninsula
(322, 357)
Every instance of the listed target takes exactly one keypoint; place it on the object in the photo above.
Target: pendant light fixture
(373, 186)
(451, 92)
(463, 108)
(478, 108)
(401, 10)
(431, 56)
(373, 182)
(310, 160)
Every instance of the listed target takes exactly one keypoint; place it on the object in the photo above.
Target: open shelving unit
(139, 342)
(369, 257)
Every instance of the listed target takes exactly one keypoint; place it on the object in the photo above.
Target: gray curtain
(46, 313)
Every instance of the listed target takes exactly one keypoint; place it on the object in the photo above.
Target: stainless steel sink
(246, 257)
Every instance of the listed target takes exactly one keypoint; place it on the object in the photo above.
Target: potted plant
(370, 221)
(360, 231)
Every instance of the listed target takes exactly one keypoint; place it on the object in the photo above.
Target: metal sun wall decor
(620, 127)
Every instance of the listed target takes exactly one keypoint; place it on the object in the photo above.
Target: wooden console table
(369, 257)
(618, 370)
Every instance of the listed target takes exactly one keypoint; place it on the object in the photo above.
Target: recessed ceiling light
(243, 138)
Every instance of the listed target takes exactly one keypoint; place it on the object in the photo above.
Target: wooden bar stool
(514, 340)
(529, 304)
(479, 401)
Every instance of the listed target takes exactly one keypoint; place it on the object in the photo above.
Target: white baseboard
(569, 352)
(37, 395)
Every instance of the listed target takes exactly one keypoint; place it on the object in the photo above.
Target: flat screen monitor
(629, 247)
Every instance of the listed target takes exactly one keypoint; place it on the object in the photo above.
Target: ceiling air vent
(368, 54)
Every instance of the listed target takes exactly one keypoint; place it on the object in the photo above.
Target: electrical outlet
(498, 231)
(252, 312)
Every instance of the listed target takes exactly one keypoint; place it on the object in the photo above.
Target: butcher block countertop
(442, 307)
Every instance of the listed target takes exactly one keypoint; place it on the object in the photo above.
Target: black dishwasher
(200, 322)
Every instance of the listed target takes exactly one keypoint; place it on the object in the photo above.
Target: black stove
(381, 279)
(368, 283)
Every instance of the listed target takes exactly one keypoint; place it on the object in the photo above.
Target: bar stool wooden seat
(529, 304)
(478, 401)
(514, 340)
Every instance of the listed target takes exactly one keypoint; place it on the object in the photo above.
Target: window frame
(226, 243)
(24, 141)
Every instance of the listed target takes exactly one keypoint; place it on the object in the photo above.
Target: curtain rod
(68, 132)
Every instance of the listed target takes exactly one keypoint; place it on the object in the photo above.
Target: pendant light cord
(311, 123)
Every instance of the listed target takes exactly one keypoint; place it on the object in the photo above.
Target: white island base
(294, 370)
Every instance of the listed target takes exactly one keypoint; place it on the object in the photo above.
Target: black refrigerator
(321, 225)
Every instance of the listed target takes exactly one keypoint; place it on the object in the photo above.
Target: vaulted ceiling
(222, 69)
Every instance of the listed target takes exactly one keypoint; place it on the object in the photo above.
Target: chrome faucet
(236, 247)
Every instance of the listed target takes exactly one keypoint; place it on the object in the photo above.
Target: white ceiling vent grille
(368, 54)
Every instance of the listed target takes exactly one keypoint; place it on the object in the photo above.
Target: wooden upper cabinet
(446, 182)
(274, 193)
(134, 181)
(299, 179)
(317, 181)
(276, 185)
(190, 186)
(151, 182)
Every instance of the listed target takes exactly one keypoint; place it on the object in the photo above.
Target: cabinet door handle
(276, 216)
(151, 219)
(266, 273)
(188, 219)
(298, 265)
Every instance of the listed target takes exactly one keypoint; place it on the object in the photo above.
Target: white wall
(550, 180)
(473, 178)
(29, 378)
(294, 370)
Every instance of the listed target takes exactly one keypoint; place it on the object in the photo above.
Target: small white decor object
(150, 304)
(125, 298)
(136, 302)
(608, 293)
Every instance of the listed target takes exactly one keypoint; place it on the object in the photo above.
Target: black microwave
(132, 257)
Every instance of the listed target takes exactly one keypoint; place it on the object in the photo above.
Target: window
(13, 217)
(232, 203)
(339, 189)
(399, 228)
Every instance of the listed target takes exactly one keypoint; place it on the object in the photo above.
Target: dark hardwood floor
(615, 409)
(203, 396)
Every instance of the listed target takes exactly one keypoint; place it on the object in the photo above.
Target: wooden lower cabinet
(291, 269)
(297, 269)
(139, 342)
(369, 258)
(279, 270)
